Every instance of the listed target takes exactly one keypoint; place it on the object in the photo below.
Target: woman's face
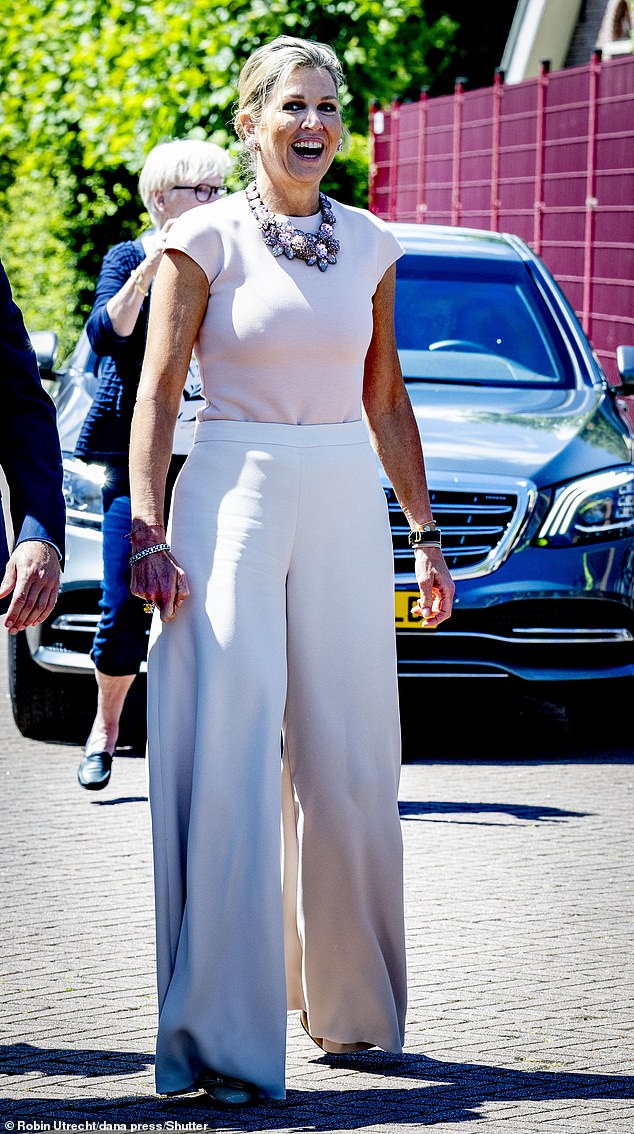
(300, 129)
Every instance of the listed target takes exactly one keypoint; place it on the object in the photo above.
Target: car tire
(48, 706)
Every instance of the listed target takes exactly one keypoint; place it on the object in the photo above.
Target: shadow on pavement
(24, 1058)
(436, 1092)
(119, 799)
(528, 813)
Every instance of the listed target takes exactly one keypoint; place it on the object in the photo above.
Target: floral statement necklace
(320, 248)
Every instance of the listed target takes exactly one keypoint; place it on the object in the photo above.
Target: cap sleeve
(388, 250)
(195, 234)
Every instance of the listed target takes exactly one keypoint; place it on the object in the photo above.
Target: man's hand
(33, 575)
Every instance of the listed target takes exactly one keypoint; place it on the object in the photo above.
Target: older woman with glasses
(177, 176)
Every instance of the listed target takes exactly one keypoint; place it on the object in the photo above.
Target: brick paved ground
(519, 907)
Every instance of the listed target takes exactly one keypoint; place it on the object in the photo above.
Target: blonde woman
(274, 591)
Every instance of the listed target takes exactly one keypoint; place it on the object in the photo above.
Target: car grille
(477, 528)
(527, 639)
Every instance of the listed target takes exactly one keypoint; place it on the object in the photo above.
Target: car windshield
(476, 321)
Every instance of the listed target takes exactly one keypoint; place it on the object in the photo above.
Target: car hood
(544, 435)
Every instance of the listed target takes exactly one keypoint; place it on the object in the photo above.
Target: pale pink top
(281, 341)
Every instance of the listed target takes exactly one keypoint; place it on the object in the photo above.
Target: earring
(339, 146)
(251, 144)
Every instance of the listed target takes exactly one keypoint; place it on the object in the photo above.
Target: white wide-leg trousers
(289, 629)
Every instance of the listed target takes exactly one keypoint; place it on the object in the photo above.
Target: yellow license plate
(403, 617)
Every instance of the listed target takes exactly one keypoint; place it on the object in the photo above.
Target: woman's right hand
(156, 247)
(158, 579)
(124, 307)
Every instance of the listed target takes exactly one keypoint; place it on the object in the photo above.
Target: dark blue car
(529, 462)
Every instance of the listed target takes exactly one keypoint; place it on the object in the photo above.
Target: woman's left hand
(161, 582)
(436, 586)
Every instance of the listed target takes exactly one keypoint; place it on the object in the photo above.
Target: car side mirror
(625, 365)
(44, 344)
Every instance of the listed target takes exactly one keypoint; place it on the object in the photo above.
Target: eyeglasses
(204, 192)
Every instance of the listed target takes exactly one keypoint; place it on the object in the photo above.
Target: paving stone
(519, 901)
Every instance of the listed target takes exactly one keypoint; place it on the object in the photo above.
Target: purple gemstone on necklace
(284, 239)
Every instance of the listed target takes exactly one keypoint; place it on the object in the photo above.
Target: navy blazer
(30, 453)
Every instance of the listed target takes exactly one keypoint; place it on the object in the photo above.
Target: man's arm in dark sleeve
(29, 442)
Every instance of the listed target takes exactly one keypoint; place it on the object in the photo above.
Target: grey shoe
(226, 1093)
(94, 771)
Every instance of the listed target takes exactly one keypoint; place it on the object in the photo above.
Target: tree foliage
(478, 45)
(87, 87)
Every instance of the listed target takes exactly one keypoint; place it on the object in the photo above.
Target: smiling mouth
(308, 149)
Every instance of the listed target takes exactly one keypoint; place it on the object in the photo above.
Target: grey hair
(268, 67)
(182, 162)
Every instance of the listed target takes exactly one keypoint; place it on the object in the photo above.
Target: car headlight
(82, 492)
(598, 507)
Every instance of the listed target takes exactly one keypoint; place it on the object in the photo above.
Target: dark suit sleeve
(29, 442)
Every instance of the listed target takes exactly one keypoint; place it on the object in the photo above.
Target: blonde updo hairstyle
(267, 69)
(182, 162)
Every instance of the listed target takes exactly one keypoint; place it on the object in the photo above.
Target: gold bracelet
(136, 276)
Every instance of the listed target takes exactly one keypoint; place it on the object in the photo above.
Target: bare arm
(397, 442)
(179, 302)
(124, 307)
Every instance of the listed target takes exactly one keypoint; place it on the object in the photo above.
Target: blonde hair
(269, 66)
(182, 162)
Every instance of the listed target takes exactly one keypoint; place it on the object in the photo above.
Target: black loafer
(227, 1093)
(94, 771)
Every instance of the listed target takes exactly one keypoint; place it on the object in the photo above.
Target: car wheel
(48, 706)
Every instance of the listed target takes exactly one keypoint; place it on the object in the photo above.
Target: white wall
(542, 29)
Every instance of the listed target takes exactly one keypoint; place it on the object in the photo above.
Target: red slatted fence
(550, 159)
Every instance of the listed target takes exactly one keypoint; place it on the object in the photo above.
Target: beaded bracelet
(148, 551)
